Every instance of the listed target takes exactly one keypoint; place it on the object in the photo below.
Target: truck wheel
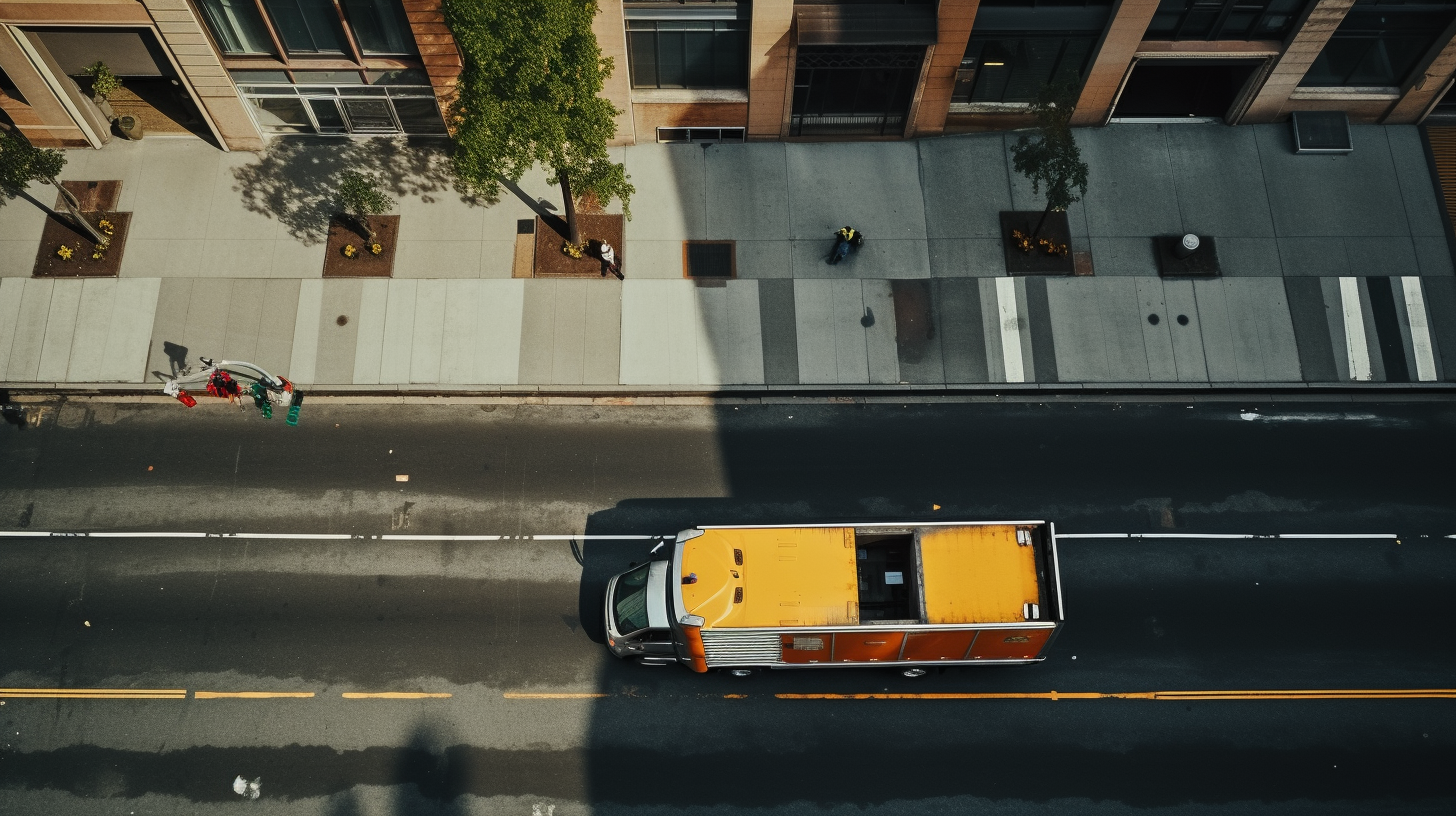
(914, 672)
(740, 672)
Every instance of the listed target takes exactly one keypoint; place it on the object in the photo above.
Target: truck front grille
(741, 649)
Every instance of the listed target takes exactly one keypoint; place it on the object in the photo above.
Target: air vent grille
(738, 556)
(738, 595)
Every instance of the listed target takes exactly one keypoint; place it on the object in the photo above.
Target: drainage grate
(526, 226)
(709, 260)
(1322, 132)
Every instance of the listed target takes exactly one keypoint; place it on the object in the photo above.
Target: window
(336, 103)
(1223, 19)
(237, 25)
(700, 135)
(1378, 44)
(688, 53)
(1018, 46)
(379, 26)
(307, 26)
(1013, 69)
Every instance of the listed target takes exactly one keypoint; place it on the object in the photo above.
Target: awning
(866, 24)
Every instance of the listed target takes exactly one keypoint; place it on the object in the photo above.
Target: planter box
(98, 201)
(551, 262)
(1036, 262)
(364, 264)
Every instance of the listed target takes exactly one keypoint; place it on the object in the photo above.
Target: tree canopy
(1049, 156)
(530, 94)
(21, 163)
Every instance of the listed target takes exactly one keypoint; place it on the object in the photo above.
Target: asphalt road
(539, 719)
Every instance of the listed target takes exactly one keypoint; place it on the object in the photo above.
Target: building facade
(818, 69)
(237, 72)
(233, 72)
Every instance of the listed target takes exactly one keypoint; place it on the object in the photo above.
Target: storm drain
(709, 260)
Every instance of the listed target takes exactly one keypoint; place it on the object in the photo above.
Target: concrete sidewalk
(1336, 270)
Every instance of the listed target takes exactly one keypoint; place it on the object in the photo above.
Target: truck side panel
(1009, 644)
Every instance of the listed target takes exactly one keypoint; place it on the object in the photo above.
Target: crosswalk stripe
(1011, 356)
(1357, 348)
(1415, 309)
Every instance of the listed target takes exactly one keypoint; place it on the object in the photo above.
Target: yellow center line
(523, 695)
(248, 695)
(393, 695)
(76, 693)
(1272, 694)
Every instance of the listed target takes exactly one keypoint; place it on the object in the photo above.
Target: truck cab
(637, 613)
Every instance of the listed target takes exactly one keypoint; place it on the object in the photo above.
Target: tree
(530, 94)
(361, 197)
(21, 163)
(1049, 155)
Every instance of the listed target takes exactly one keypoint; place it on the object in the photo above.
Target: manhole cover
(711, 260)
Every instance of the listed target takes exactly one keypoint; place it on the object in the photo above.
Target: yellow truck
(911, 595)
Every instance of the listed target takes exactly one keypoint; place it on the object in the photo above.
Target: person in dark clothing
(845, 239)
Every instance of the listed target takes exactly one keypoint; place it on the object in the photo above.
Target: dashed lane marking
(249, 695)
(524, 695)
(395, 695)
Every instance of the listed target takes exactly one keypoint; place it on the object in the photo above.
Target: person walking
(845, 239)
(609, 260)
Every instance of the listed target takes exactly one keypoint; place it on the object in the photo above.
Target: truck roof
(837, 576)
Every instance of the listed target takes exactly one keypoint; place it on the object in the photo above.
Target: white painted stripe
(1415, 309)
(1010, 329)
(326, 536)
(595, 537)
(1357, 536)
(439, 538)
(134, 535)
(1357, 350)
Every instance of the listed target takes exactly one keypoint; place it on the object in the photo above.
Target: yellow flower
(106, 227)
(65, 252)
(571, 249)
(350, 250)
(376, 248)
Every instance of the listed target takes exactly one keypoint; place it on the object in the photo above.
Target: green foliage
(1049, 156)
(530, 94)
(103, 82)
(361, 195)
(21, 163)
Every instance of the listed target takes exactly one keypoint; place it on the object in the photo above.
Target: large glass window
(307, 26)
(324, 103)
(1018, 46)
(237, 25)
(1224, 19)
(1379, 43)
(688, 53)
(379, 26)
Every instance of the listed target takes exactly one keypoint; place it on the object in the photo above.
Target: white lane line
(438, 537)
(1415, 309)
(595, 537)
(1010, 330)
(1234, 535)
(1357, 350)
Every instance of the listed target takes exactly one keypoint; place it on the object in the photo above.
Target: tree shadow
(296, 179)
(432, 773)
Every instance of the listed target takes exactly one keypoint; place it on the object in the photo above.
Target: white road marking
(1357, 350)
(1010, 330)
(1231, 535)
(1415, 309)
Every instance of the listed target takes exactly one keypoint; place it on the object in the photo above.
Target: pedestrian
(845, 239)
(609, 260)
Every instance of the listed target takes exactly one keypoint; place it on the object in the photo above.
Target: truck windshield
(630, 602)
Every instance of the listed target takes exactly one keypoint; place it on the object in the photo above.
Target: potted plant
(103, 85)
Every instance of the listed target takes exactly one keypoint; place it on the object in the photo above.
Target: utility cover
(1322, 132)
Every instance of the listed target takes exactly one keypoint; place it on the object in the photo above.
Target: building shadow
(296, 180)
(431, 773)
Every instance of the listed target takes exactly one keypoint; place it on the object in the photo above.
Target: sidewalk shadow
(296, 179)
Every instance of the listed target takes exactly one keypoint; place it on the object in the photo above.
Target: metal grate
(1443, 152)
(1322, 132)
(709, 260)
(741, 648)
(738, 595)
(737, 557)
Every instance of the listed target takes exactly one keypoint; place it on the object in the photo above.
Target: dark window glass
(1223, 19)
(420, 115)
(688, 53)
(379, 26)
(1379, 44)
(307, 26)
(237, 26)
(1013, 69)
(326, 113)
